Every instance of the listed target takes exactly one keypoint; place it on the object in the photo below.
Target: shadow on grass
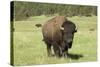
(75, 56)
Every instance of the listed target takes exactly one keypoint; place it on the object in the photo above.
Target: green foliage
(29, 49)
(23, 10)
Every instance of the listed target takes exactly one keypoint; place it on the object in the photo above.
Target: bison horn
(76, 29)
(61, 28)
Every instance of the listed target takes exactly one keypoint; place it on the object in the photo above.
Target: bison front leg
(57, 50)
(65, 54)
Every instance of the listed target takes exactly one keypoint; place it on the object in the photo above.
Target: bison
(59, 33)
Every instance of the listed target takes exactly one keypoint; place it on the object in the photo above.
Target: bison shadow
(75, 56)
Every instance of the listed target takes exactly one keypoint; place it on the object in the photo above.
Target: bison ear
(61, 28)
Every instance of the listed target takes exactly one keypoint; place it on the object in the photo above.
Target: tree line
(23, 10)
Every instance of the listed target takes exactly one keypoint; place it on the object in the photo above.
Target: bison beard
(58, 32)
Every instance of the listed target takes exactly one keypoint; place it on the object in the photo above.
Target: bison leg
(57, 50)
(65, 53)
(49, 49)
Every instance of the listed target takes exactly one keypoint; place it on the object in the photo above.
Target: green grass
(29, 48)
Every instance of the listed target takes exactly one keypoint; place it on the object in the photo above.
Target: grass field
(29, 49)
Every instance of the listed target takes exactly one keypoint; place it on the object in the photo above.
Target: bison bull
(59, 33)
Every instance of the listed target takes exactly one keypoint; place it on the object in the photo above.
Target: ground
(29, 49)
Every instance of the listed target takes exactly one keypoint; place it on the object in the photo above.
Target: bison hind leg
(49, 49)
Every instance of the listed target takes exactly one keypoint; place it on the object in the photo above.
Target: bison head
(68, 29)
